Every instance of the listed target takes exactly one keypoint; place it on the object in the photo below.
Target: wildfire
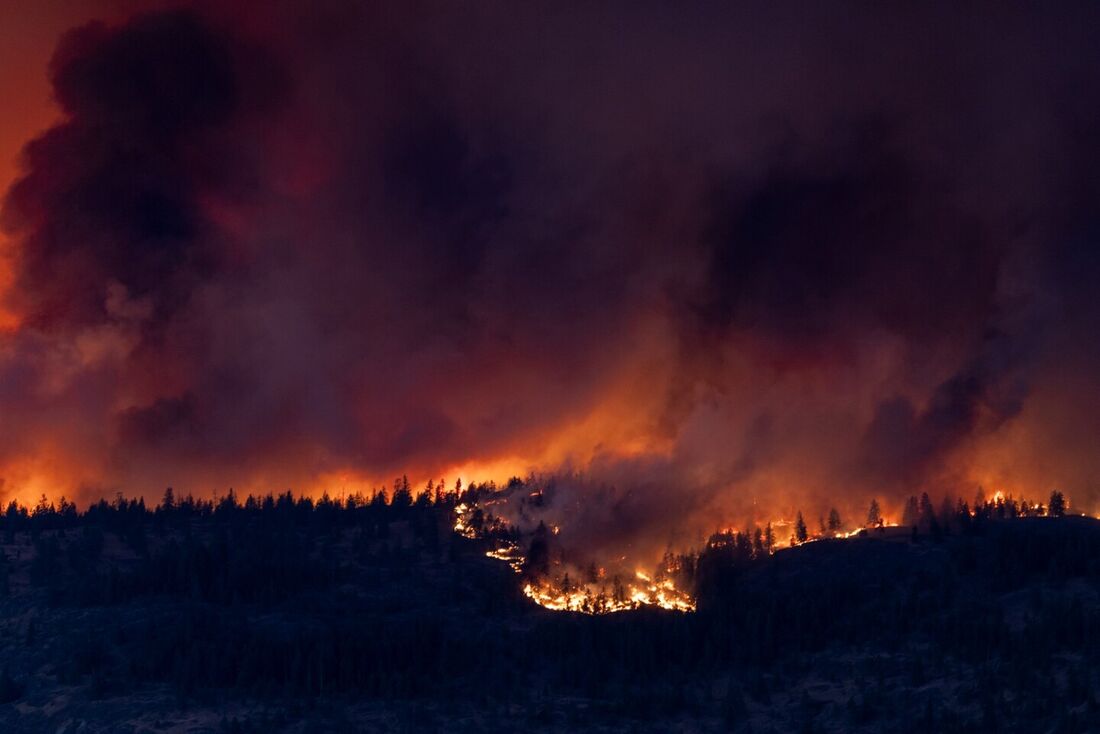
(560, 594)
(462, 510)
(551, 581)
(509, 553)
(591, 598)
(592, 591)
(598, 596)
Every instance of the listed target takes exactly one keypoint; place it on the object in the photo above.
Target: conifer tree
(874, 515)
(1057, 506)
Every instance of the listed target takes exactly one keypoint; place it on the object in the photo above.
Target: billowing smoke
(712, 264)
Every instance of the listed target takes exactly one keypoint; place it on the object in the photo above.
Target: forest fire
(696, 313)
(589, 592)
(562, 579)
(601, 595)
(640, 592)
(729, 353)
(554, 583)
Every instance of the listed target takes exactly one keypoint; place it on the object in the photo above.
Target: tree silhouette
(910, 516)
(800, 533)
(402, 495)
(834, 520)
(1057, 505)
(874, 515)
(927, 517)
(168, 502)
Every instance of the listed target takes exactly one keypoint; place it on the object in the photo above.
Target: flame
(597, 598)
(591, 599)
(461, 520)
(510, 555)
(597, 594)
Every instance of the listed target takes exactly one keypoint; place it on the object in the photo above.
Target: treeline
(122, 512)
(279, 594)
(223, 550)
(949, 516)
(729, 552)
(287, 596)
(46, 514)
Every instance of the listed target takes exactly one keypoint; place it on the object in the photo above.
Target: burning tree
(800, 533)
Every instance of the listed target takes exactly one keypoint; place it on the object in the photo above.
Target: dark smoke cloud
(721, 260)
(863, 240)
(112, 206)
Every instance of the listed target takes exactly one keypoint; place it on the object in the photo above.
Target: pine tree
(834, 520)
(874, 515)
(962, 519)
(1057, 506)
(910, 516)
(927, 517)
(800, 533)
(758, 542)
(402, 495)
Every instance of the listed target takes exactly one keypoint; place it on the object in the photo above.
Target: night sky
(784, 254)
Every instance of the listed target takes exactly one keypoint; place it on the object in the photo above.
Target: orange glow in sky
(28, 36)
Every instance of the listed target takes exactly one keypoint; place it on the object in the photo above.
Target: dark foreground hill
(291, 616)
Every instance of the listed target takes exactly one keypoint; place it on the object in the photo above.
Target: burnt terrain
(285, 614)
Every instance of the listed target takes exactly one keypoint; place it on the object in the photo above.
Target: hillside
(290, 616)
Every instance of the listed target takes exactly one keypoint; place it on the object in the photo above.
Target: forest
(267, 612)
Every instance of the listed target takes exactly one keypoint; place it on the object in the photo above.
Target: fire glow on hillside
(597, 594)
(560, 585)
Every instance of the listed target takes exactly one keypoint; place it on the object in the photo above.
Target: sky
(703, 260)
